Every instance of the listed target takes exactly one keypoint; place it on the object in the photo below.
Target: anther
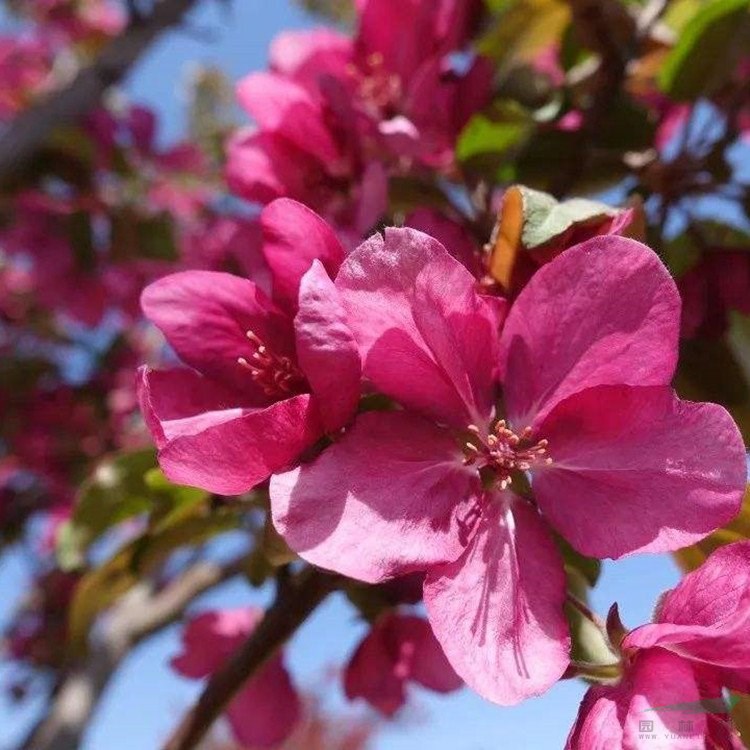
(504, 451)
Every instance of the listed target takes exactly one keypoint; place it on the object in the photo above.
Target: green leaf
(103, 586)
(340, 11)
(122, 487)
(708, 49)
(626, 126)
(680, 255)
(170, 502)
(547, 220)
(82, 241)
(521, 28)
(588, 643)
(588, 568)
(114, 492)
(149, 237)
(548, 152)
(485, 136)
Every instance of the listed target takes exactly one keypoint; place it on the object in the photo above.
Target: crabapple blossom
(398, 650)
(264, 381)
(675, 668)
(266, 710)
(583, 362)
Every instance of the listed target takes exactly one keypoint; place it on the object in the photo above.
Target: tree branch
(31, 129)
(140, 614)
(605, 27)
(295, 601)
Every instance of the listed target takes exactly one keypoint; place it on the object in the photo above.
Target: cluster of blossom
(407, 418)
(500, 425)
(410, 416)
(336, 118)
(57, 36)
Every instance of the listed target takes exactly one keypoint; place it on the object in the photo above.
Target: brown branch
(605, 27)
(140, 614)
(295, 601)
(31, 129)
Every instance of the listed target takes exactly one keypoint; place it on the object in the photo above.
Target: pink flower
(267, 378)
(307, 56)
(305, 147)
(399, 649)
(226, 243)
(617, 463)
(267, 708)
(404, 79)
(696, 646)
(452, 235)
(25, 71)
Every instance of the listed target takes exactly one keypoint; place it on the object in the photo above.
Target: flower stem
(587, 612)
(596, 672)
(295, 602)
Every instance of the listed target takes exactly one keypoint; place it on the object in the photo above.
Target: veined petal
(181, 400)
(263, 166)
(643, 711)
(293, 237)
(498, 610)
(231, 454)
(603, 312)
(706, 617)
(638, 470)
(426, 338)
(280, 105)
(205, 316)
(326, 349)
(390, 497)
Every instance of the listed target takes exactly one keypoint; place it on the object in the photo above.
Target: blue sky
(147, 699)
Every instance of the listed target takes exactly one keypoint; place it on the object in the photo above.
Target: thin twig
(32, 128)
(601, 24)
(140, 614)
(296, 600)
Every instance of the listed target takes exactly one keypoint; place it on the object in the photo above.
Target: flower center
(503, 451)
(276, 375)
(376, 87)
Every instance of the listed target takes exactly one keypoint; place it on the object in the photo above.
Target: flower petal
(604, 312)
(427, 339)
(623, 717)
(326, 349)
(430, 666)
(398, 649)
(371, 673)
(205, 316)
(279, 105)
(267, 709)
(706, 617)
(452, 235)
(637, 469)
(232, 453)
(309, 54)
(293, 237)
(391, 497)
(210, 638)
(262, 166)
(498, 610)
